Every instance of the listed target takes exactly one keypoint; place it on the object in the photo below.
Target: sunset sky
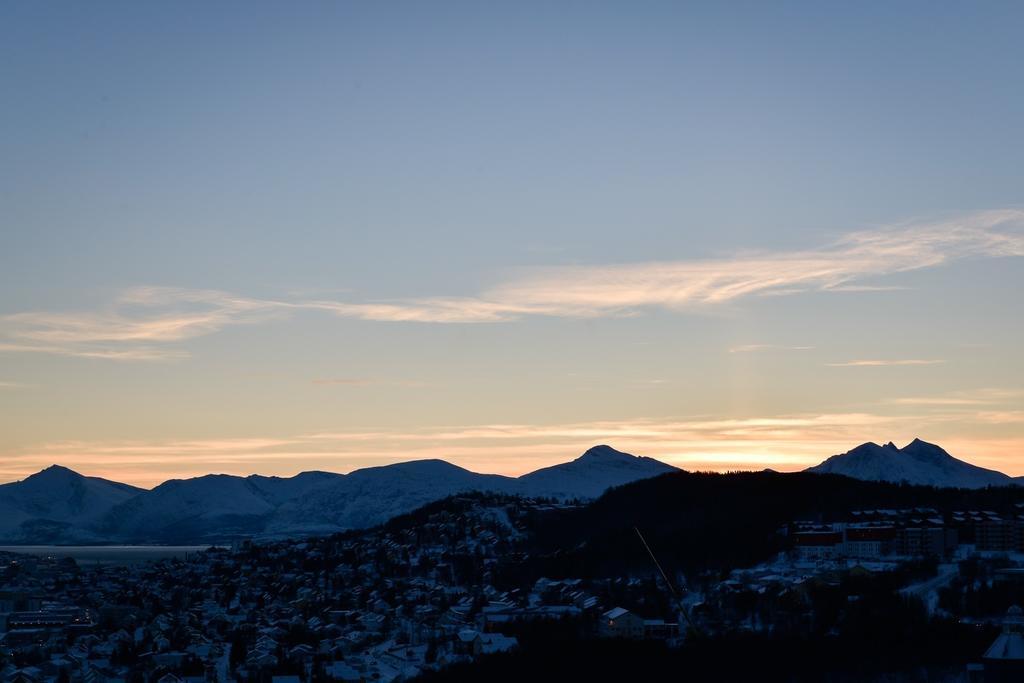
(276, 237)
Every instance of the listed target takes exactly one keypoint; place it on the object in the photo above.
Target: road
(928, 590)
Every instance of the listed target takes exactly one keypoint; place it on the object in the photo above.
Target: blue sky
(273, 237)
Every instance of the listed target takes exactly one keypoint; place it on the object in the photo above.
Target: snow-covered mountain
(57, 503)
(218, 505)
(918, 462)
(376, 494)
(591, 474)
(61, 506)
(277, 490)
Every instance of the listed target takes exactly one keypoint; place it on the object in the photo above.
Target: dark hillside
(706, 521)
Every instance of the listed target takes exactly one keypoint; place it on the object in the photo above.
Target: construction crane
(671, 588)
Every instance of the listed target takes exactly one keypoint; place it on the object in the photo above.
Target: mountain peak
(917, 447)
(603, 452)
(426, 465)
(591, 474)
(54, 472)
(919, 462)
(69, 503)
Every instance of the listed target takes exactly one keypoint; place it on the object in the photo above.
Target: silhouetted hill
(700, 521)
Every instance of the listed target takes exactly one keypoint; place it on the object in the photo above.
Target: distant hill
(918, 462)
(217, 506)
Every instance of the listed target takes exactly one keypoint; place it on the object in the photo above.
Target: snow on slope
(376, 494)
(591, 474)
(57, 503)
(278, 490)
(189, 509)
(215, 505)
(182, 507)
(918, 462)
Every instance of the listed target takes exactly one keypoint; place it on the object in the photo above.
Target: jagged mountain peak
(919, 462)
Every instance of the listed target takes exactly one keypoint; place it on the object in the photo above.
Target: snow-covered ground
(928, 590)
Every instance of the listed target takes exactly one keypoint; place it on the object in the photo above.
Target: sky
(273, 237)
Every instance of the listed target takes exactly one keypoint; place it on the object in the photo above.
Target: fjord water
(106, 554)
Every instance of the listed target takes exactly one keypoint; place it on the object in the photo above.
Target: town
(445, 585)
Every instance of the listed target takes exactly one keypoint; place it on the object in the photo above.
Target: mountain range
(58, 505)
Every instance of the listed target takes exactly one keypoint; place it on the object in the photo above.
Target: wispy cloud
(135, 327)
(366, 382)
(998, 417)
(132, 318)
(143, 321)
(986, 396)
(867, 288)
(875, 363)
(138, 353)
(752, 348)
(936, 401)
(344, 381)
(603, 290)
